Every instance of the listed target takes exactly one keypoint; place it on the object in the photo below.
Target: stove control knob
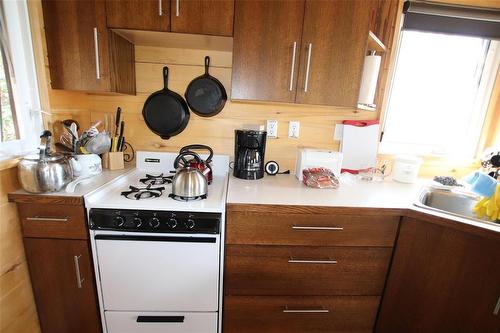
(137, 222)
(189, 223)
(119, 221)
(154, 222)
(172, 223)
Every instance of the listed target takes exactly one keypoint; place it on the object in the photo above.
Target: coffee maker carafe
(249, 149)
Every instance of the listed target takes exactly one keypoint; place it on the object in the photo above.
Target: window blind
(452, 19)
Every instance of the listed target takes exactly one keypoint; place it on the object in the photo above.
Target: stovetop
(147, 187)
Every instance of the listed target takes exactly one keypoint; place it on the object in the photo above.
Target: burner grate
(181, 198)
(156, 180)
(139, 193)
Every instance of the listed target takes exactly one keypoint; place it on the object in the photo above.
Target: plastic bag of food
(320, 178)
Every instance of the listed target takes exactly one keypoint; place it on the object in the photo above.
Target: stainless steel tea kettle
(44, 172)
(189, 182)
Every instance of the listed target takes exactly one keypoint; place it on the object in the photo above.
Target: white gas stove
(158, 259)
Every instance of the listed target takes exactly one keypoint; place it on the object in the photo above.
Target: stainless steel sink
(448, 202)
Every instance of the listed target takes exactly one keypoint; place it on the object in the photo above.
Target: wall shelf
(375, 44)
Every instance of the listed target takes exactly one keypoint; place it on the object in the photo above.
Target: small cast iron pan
(165, 111)
(205, 95)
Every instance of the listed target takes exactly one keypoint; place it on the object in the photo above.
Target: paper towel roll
(369, 79)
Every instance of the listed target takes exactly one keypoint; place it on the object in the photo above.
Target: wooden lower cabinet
(442, 280)
(305, 270)
(63, 284)
(304, 314)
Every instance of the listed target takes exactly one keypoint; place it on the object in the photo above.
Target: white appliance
(314, 158)
(158, 260)
(359, 144)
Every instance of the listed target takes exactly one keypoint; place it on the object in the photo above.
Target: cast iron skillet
(205, 95)
(165, 112)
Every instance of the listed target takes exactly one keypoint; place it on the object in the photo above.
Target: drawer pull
(160, 319)
(300, 227)
(320, 261)
(49, 219)
(312, 310)
(79, 279)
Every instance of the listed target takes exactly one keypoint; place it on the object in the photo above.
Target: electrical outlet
(294, 129)
(272, 129)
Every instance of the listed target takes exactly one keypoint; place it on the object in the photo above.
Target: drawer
(294, 270)
(310, 229)
(53, 221)
(161, 322)
(305, 314)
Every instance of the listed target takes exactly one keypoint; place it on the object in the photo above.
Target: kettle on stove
(189, 183)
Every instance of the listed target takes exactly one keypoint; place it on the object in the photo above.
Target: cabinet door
(267, 39)
(332, 54)
(207, 17)
(76, 37)
(441, 280)
(63, 285)
(138, 14)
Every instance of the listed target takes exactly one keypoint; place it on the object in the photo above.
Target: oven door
(159, 273)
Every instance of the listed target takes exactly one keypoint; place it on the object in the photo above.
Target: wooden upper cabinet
(267, 38)
(206, 17)
(82, 53)
(138, 14)
(332, 54)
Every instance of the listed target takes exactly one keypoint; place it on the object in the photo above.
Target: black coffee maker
(249, 149)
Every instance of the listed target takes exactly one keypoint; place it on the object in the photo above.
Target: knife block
(113, 160)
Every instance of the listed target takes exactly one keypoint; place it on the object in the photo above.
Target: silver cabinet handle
(496, 310)
(177, 8)
(96, 47)
(49, 219)
(319, 261)
(313, 310)
(160, 8)
(79, 279)
(293, 65)
(308, 66)
(299, 227)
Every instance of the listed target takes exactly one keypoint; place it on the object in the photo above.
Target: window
(440, 92)
(20, 121)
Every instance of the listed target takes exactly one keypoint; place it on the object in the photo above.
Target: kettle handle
(199, 146)
(45, 147)
(181, 157)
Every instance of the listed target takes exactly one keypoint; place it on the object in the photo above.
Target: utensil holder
(113, 160)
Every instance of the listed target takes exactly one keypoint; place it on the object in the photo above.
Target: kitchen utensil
(117, 120)
(206, 95)
(68, 122)
(205, 166)
(45, 172)
(70, 188)
(249, 150)
(119, 143)
(62, 147)
(99, 144)
(188, 182)
(165, 112)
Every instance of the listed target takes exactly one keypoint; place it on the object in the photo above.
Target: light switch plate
(272, 129)
(294, 129)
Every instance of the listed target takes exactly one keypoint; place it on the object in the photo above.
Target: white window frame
(26, 94)
(485, 91)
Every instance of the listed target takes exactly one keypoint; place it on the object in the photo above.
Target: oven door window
(165, 274)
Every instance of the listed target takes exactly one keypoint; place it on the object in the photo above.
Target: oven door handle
(178, 239)
(160, 319)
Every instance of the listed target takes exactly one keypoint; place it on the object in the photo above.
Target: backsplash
(316, 122)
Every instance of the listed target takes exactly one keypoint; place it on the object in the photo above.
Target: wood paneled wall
(17, 306)
(317, 123)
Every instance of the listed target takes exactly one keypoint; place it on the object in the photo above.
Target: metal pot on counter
(44, 172)
(189, 183)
